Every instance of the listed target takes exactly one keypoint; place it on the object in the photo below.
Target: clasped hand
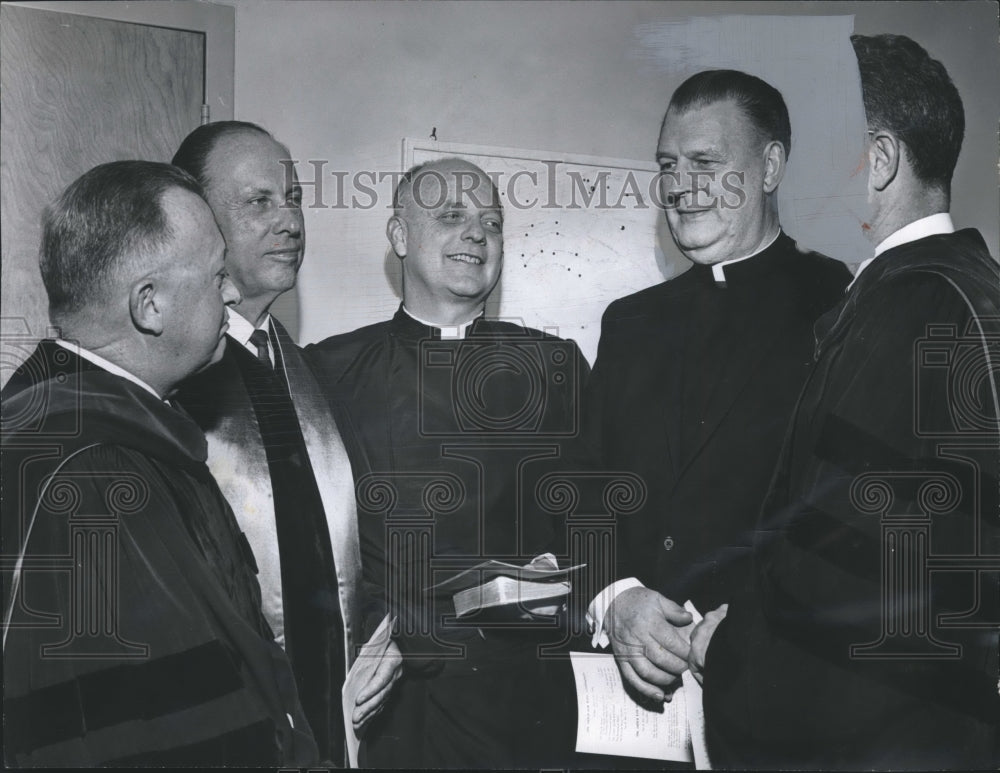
(646, 638)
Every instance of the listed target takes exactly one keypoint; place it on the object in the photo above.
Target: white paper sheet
(695, 709)
(610, 722)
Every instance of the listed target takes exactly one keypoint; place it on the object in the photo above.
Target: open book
(507, 590)
(495, 584)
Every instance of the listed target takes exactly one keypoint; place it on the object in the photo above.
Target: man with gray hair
(133, 631)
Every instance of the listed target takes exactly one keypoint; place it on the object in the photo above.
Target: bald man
(273, 444)
(442, 402)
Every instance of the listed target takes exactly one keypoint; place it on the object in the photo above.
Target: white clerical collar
(107, 365)
(240, 328)
(717, 268)
(931, 225)
(447, 331)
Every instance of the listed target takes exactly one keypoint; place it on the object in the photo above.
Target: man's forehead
(245, 157)
(453, 185)
(714, 125)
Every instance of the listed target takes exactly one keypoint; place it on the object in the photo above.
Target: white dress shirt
(932, 225)
(241, 330)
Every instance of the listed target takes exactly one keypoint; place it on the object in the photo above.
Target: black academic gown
(454, 436)
(692, 389)
(869, 640)
(136, 636)
(274, 448)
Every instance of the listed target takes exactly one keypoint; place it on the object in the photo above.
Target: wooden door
(77, 91)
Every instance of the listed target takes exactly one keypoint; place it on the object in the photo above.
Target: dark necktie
(259, 339)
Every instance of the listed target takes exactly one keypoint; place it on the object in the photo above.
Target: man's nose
(288, 221)
(474, 232)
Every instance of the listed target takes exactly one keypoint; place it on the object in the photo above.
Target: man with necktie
(274, 445)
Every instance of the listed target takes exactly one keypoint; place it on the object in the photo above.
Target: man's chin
(216, 356)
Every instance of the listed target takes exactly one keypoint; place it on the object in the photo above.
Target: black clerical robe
(135, 632)
(454, 435)
(692, 388)
(869, 639)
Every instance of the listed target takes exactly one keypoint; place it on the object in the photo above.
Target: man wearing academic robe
(457, 418)
(133, 631)
(273, 444)
(869, 635)
(695, 378)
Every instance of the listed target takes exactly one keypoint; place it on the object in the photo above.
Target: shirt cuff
(598, 609)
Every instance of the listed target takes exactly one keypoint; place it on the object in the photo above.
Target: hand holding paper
(649, 648)
(374, 694)
(369, 683)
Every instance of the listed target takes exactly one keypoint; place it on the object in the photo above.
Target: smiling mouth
(464, 257)
(290, 254)
(692, 212)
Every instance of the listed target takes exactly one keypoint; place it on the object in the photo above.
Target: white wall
(345, 82)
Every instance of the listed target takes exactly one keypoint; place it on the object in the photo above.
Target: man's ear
(395, 229)
(883, 159)
(144, 307)
(774, 165)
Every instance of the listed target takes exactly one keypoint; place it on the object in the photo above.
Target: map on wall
(579, 231)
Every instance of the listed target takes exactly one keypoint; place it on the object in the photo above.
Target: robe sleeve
(141, 658)
(815, 664)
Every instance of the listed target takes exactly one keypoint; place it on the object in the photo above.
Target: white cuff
(599, 608)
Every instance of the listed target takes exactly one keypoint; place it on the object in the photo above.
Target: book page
(610, 722)
(487, 570)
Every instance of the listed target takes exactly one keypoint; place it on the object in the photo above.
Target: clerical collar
(932, 225)
(718, 269)
(240, 328)
(447, 331)
(107, 365)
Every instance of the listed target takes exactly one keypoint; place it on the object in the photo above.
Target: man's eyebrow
(708, 150)
(257, 190)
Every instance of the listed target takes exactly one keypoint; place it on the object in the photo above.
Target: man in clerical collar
(869, 635)
(274, 444)
(133, 631)
(457, 418)
(695, 378)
